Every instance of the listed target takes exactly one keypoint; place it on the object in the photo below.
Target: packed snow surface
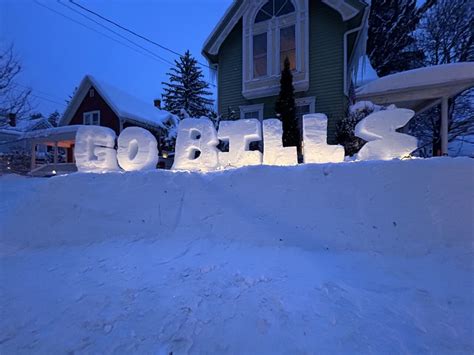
(373, 257)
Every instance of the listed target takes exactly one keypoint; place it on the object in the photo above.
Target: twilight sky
(57, 52)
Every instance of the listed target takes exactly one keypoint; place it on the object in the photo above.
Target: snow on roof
(125, 105)
(26, 125)
(130, 107)
(429, 76)
(51, 131)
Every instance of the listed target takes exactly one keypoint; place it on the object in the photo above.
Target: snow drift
(371, 257)
(399, 206)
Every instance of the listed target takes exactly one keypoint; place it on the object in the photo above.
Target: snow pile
(372, 257)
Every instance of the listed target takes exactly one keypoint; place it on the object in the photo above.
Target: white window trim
(307, 101)
(90, 113)
(269, 85)
(252, 108)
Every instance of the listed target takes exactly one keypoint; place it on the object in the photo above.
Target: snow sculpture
(94, 150)
(240, 134)
(315, 147)
(137, 149)
(384, 142)
(273, 151)
(196, 145)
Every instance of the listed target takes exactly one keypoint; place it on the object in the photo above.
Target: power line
(41, 92)
(117, 34)
(133, 32)
(92, 29)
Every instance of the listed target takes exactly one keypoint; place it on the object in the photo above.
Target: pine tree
(285, 108)
(186, 89)
(391, 45)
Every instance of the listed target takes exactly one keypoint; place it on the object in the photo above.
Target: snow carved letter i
(137, 149)
(240, 134)
(196, 145)
(94, 150)
(384, 142)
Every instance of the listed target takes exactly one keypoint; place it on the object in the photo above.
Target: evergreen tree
(186, 89)
(391, 45)
(285, 108)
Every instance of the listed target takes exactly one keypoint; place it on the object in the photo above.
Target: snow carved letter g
(383, 141)
(94, 150)
(196, 145)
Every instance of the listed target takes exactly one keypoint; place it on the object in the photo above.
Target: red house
(101, 104)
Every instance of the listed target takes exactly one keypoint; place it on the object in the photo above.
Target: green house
(323, 39)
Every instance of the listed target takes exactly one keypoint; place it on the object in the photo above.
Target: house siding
(108, 118)
(326, 69)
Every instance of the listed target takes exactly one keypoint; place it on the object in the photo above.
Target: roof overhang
(419, 89)
(347, 8)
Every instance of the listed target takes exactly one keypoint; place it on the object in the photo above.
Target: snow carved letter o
(137, 149)
(196, 145)
(94, 150)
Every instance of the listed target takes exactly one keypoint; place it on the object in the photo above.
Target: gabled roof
(26, 125)
(347, 8)
(127, 107)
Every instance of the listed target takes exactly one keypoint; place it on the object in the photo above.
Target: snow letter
(384, 142)
(315, 147)
(94, 150)
(273, 151)
(137, 149)
(240, 134)
(196, 145)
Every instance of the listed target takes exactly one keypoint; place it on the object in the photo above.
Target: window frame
(265, 86)
(91, 114)
(252, 108)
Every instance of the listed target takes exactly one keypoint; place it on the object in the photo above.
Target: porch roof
(419, 89)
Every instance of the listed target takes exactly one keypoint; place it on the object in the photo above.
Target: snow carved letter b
(383, 141)
(196, 145)
(94, 150)
(137, 149)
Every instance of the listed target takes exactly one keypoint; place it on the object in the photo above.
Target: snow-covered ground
(372, 257)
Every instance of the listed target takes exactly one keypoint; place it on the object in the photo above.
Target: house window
(91, 93)
(91, 118)
(252, 111)
(304, 106)
(273, 31)
(260, 55)
(288, 46)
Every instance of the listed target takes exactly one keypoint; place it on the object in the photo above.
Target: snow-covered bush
(17, 162)
(345, 128)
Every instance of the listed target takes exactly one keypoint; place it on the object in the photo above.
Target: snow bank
(397, 207)
(371, 257)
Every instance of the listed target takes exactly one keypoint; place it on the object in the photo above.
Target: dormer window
(273, 31)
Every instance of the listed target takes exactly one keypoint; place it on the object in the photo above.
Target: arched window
(273, 31)
(274, 8)
(268, 20)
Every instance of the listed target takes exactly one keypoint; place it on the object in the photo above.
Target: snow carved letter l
(196, 145)
(94, 150)
(315, 147)
(273, 151)
(383, 141)
(137, 149)
(240, 134)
